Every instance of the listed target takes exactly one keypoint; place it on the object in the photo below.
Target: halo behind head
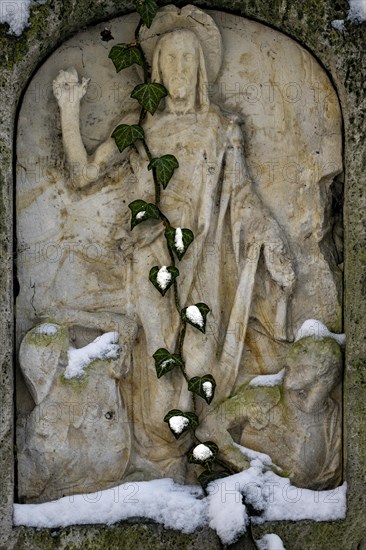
(170, 18)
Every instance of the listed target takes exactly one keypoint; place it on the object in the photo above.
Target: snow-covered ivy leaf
(124, 56)
(196, 315)
(208, 475)
(142, 211)
(126, 134)
(178, 240)
(147, 10)
(179, 421)
(165, 361)
(149, 95)
(164, 167)
(203, 454)
(204, 386)
(162, 278)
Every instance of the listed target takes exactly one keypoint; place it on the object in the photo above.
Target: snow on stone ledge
(183, 507)
(104, 347)
(268, 380)
(16, 14)
(162, 500)
(313, 327)
(270, 542)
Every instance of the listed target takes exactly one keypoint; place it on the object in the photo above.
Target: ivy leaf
(204, 386)
(196, 315)
(165, 361)
(147, 10)
(178, 240)
(142, 211)
(149, 95)
(203, 454)
(207, 476)
(164, 167)
(124, 56)
(179, 422)
(163, 278)
(126, 134)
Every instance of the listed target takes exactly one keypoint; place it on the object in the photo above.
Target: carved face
(179, 63)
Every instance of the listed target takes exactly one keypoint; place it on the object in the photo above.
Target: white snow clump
(357, 11)
(178, 423)
(47, 329)
(313, 327)
(194, 315)
(16, 14)
(163, 277)
(202, 452)
(178, 240)
(207, 388)
(268, 380)
(270, 542)
(104, 347)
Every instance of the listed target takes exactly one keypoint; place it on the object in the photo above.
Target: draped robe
(211, 194)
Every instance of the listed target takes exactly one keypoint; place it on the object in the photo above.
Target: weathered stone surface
(256, 166)
(342, 56)
(295, 418)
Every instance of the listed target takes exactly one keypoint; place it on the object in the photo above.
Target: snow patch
(178, 240)
(207, 389)
(338, 24)
(194, 315)
(162, 500)
(313, 327)
(178, 423)
(202, 452)
(185, 508)
(357, 11)
(268, 380)
(16, 14)
(163, 277)
(103, 347)
(166, 363)
(270, 542)
(47, 329)
(356, 14)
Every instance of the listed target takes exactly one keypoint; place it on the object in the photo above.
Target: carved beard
(179, 87)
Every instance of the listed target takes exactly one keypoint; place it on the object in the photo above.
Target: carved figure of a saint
(211, 194)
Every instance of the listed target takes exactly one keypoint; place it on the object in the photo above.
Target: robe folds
(210, 193)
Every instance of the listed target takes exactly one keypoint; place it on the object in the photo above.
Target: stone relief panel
(256, 126)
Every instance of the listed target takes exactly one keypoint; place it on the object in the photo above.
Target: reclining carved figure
(294, 416)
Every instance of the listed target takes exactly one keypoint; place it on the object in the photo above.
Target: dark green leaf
(149, 95)
(189, 313)
(124, 56)
(164, 167)
(147, 10)
(207, 476)
(157, 276)
(178, 245)
(199, 448)
(126, 134)
(142, 211)
(165, 361)
(196, 385)
(191, 417)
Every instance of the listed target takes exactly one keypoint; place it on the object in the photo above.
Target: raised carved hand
(67, 89)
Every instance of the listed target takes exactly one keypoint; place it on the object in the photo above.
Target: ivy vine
(149, 94)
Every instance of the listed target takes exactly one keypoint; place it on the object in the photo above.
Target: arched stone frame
(342, 58)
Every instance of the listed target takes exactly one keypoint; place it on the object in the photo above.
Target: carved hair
(202, 99)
